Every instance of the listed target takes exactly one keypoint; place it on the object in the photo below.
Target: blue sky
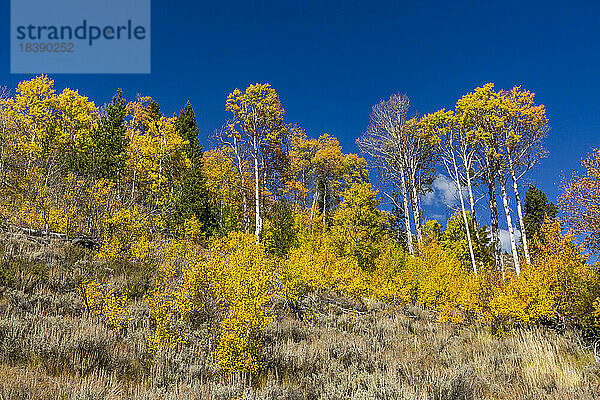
(331, 61)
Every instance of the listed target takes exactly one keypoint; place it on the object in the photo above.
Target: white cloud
(444, 192)
(505, 239)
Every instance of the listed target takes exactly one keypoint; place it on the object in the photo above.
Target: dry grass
(51, 348)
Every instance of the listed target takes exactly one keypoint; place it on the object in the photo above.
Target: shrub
(106, 302)
(358, 227)
(559, 286)
(229, 288)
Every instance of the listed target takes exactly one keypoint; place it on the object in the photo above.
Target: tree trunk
(258, 227)
(414, 199)
(133, 181)
(465, 219)
(406, 213)
(511, 232)
(324, 205)
(494, 222)
(244, 202)
(519, 212)
(472, 204)
(313, 208)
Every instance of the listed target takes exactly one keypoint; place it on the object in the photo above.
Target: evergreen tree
(280, 235)
(188, 130)
(194, 198)
(155, 113)
(107, 148)
(537, 208)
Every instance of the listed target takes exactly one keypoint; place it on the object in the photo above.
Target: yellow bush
(358, 225)
(391, 280)
(317, 264)
(243, 282)
(236, 277)
(168, 302)
(437, 279)
(558, 286)
(104, 301)
(127, 236)
(240, 341)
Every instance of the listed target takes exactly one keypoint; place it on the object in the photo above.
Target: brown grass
(51, 348)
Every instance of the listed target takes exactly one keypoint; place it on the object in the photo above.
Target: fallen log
(42, 236)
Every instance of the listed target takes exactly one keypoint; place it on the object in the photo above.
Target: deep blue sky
(330, 62)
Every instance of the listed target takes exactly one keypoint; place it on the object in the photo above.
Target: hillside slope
(328, 348)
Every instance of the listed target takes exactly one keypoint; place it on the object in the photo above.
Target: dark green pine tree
(193, 199)
(152, 117)
(188, 130)
(107, 148)
(155, 113)
(283, 236)
(537, 208)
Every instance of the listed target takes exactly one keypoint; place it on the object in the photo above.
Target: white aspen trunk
(511, 232)
(258, 227)
(160, 161)
(473, 214)
(240, 169)
(244, 201)
(221, 221)
(519, 212)
(414, 199)
(2, 172)
(472, 201)
(324, 204)
(465, 219)
(494, 224)
(133, 180)
(502, 267)
(30, 159)
(313, 208)
(406, 213)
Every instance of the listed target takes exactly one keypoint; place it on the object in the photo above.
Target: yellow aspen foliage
(579, 202)
(224, 186)
(168, 303)
(296, 183)
(157, 157)
(318, 226)
(107, 303)
(244, 283)
(44, 131)
(390, 278)
(558, 286)
(31, 111)
(234, 283)
(318, 264)
(240, 341)
(54, 208)
(437, 279)
(128, 235)
(359, 224)
(438, 276)
(44, 122)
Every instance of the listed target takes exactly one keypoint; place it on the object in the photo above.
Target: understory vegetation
(326, 346)
(137, 265)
